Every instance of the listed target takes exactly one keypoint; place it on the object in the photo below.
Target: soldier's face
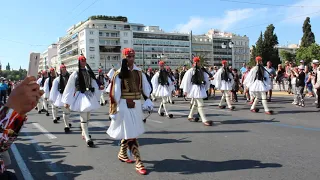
(130, 59)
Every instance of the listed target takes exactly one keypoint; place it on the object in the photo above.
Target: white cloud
(299, 14)
(229, 20)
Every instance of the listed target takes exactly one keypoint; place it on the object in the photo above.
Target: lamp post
(143, 63)
(225, 46)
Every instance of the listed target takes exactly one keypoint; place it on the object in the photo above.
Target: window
(91, 32)
(92, 56)
(100, 34)
(91, 41)
(115, 27)
(107, 34)
(81, 42)
(125, 34)
(91, 48)
(125, 41)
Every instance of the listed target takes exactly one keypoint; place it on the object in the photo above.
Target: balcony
(69, 55)
(107, 49)
(108, 43)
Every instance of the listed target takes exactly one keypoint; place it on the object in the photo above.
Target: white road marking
(211, 109)
(45, 132)
(154, 121)
(178, 113)
(22, 165)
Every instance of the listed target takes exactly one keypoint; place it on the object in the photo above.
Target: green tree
(252, 61)
(8, 67)
(287, 56)
(269, 51)
(308, 36)
(308, 53)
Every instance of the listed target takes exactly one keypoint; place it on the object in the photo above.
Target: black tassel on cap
(124, 72)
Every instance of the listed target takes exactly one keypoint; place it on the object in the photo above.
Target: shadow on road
(193, 166)
(46, 161)
(245, 121)
(196, 132)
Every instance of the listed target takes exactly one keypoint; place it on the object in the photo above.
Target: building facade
(202, 46)
(153, 44)
(102, 41)
(48, 57)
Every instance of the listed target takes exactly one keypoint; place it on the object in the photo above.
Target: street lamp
(230, 45)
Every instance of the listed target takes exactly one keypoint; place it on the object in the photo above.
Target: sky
(31, 26)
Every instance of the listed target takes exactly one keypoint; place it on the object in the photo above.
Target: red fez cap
(167, 67)
(99, 70)
(128, 51)
(51, 69)
(161, 63)
(224, 62)
(258, 58)
(196, 59)
(149, 69)
(82, 58)
(44, 72)
(62, 66)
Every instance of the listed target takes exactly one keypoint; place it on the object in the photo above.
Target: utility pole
(143, 56)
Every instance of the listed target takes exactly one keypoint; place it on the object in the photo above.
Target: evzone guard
(258, 81)
(224, 81)
(171, 87)
(82, 94)
(103, 82)
(43, 103)
(58, 87)
(161, 84)
(47, 90)
(128, 84)
(194, 84)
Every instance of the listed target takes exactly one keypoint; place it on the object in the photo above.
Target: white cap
(301, 61)
(315, 61)
(301, 67)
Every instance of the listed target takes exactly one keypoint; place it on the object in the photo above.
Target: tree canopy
(308, 53)
(308, 37)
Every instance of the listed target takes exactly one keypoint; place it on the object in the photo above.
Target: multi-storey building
(230, 47)
(100, 40)
(48, 57)
(153, 44)
(202, 46)
(241, 51)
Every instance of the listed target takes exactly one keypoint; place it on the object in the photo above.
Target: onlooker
(272, 73)
(236, 85)
(280, 77)
(3, 91)
(243, 69)
(300, 78)
(13, 115)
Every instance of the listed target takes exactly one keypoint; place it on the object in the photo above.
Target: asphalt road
(241, 146)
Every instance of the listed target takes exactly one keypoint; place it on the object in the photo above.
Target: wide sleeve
(154, 82)
(46, 88)
(39, 81)
(96, 87)
(250, 78)
(186, 81)
(117, 89)
(207, 80)
(217, 78)
(54, 90)
(146, 88)
(70, 89)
